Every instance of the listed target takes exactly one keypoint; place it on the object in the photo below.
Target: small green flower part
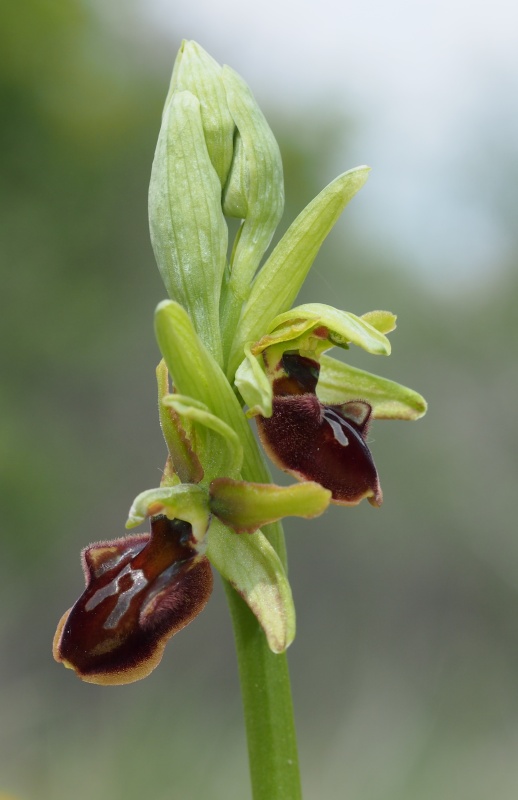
(187, 502)
(248, 506)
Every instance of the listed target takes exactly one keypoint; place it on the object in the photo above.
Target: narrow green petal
(253, 568)
(281, 277)
(339, 383)
(196, 374)
(185, 501)
(344, 328)
(253, 385)
(294, 328)
(184, 461)
(188, 231)
(248, 506)
(211, 430)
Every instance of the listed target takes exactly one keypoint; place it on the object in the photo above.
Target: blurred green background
(405, 666)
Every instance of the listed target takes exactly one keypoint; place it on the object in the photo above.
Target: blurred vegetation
(406, 662)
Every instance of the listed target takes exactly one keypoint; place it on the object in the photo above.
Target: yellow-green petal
(253, 385)
(184, 501)
(247, 506)
(344, 328)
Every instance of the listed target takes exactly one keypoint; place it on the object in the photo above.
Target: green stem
(268, 708)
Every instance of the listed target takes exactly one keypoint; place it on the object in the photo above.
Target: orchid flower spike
(229, 338)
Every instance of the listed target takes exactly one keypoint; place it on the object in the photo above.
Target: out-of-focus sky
(432, 88)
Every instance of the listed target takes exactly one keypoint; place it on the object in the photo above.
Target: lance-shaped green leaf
(281, 277)
(197, 72)
(255, 181)
(247, 506)
(253, 568)
(184, 501)
(184, 461)
(216, 442)
(339, 383)
(188, 230)
(196, 374)
(253, 385)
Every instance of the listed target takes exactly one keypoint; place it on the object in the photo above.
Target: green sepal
(253, 568)
(188, 231)
(253, 385)
(278, 282)
(196, 374)
(184, 501)
(208, 433)
(339, 383)
(255, 180)
(197, 72)
(245, 507)
(183, 459)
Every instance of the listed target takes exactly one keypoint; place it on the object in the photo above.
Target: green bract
(255, 571)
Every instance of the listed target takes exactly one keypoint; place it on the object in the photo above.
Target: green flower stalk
(234, 348)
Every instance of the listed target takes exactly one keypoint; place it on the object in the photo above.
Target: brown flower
(318, 442)
(140, 590)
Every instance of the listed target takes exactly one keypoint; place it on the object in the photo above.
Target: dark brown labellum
(318, 442)
(140, 591)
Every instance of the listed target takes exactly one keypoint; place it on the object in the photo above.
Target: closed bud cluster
(215, 155)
